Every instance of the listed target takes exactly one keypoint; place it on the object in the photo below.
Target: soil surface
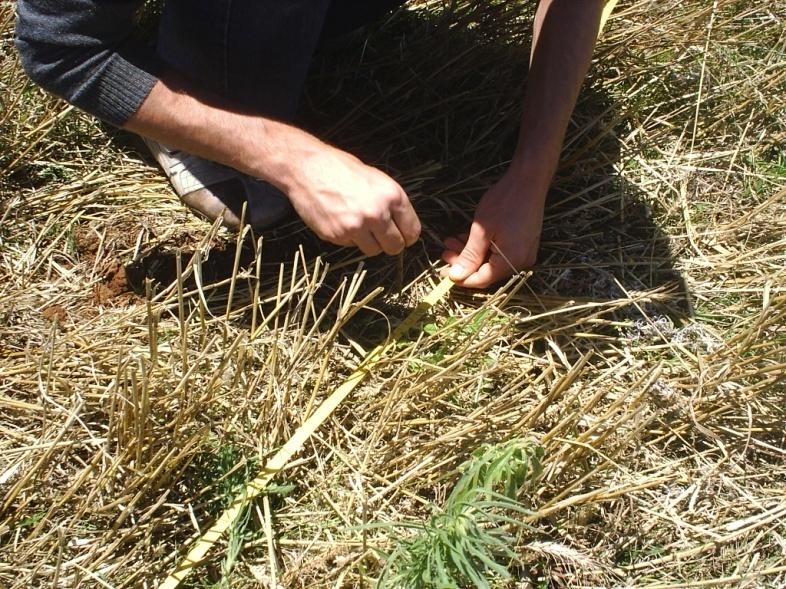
(114, 287)
(55, 313)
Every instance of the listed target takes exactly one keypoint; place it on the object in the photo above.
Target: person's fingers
(472, 255)
(453, 247)
(490, 272)
(454, 244)
(406, 220)
(367, 243)
(450, 256)
(389, 237)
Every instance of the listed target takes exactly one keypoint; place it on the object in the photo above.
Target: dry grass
(646, 352)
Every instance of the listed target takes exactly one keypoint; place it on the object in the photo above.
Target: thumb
(472, 255)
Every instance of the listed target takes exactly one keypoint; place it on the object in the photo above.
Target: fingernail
(457, 272)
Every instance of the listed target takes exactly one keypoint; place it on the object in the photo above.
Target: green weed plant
(470, 541)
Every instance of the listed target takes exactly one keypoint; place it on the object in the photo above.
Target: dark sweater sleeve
(82, 50)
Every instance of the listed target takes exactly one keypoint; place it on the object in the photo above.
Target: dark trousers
(256, 53)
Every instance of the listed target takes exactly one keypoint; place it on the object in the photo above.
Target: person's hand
(349, 203)
(504, 236)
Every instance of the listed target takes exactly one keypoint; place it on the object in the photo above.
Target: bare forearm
(505, 232)
(563, 41)
(250, 143)
(343, 200)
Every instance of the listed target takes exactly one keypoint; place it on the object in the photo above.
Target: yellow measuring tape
(281, 458)
(608, 8)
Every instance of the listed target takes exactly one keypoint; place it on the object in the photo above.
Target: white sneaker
(214, 190)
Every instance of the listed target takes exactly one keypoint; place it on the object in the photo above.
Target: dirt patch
(115, 287)
(107, 250)
(86, 241)
(55, 313)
